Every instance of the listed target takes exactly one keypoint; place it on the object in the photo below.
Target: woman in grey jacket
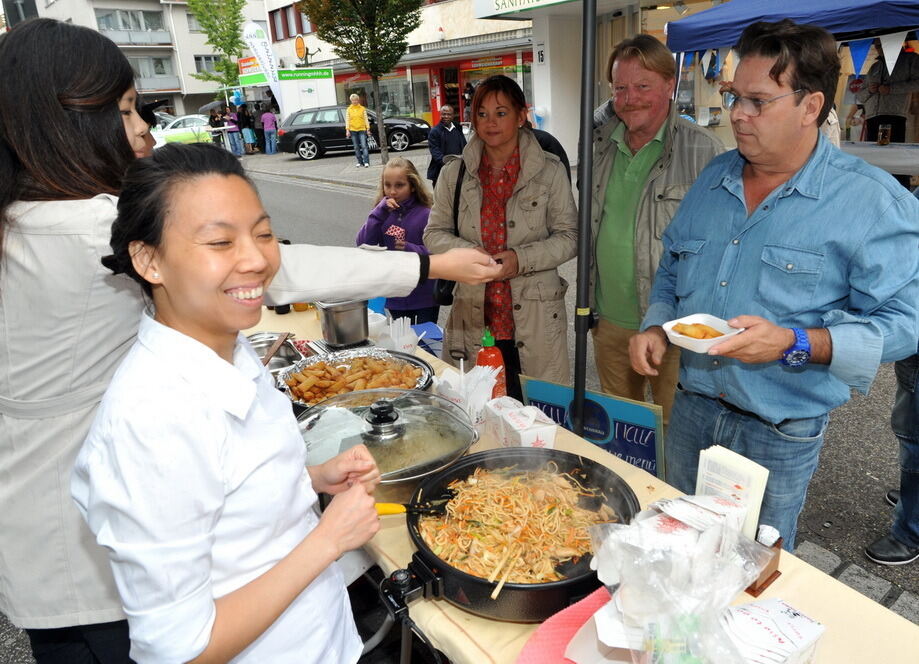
(516, 205)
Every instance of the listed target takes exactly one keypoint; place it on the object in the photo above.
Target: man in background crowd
(443, 139)
(645, 159)
(885, 96)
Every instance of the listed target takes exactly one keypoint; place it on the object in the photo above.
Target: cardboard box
(493, 425)
(528, 427)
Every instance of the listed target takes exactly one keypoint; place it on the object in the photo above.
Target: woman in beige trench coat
(527, 302)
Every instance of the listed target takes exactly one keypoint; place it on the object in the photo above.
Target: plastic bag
(670, 583)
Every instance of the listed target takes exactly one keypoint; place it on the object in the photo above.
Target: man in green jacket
(645, 159)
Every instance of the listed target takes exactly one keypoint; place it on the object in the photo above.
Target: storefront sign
(300, 48)
(487, 8)
(253, 79)
(299, 74)
(248, 66)
(506, 60)
(631, 430)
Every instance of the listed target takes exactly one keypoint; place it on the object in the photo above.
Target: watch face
(796, 358)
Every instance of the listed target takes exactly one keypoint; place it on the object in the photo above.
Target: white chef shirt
(193, 477)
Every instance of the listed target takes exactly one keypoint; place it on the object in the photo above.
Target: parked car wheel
(308, 149)
(399, 140)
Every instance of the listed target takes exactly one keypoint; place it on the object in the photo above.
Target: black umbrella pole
(582, 314)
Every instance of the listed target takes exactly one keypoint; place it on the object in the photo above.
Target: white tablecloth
(900, 158)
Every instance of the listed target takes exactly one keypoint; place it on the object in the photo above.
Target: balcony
(158, 84)
(139, 37)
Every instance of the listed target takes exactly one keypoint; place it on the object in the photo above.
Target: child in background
(397, 223)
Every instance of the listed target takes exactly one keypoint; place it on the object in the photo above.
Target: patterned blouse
(497, 187)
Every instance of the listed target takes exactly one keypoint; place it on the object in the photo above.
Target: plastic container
(700, 345)
(489, 355)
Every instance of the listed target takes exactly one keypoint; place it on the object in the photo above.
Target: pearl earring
(156, 275)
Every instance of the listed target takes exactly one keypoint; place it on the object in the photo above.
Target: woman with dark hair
(248, 572)
(64, 323)
(516, 205)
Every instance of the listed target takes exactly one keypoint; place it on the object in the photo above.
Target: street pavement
(845, 508)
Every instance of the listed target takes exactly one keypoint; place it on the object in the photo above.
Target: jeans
(790, 451)
(359, 141)
(101, 643)
(236, 143)
(271, 141)
(904, 420)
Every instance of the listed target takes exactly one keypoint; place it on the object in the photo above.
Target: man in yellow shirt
(356, 127)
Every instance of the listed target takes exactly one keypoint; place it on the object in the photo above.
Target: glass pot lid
(410, 433)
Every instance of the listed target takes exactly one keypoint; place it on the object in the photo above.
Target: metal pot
(285, 357)
(410, 433)
(518, 602)
(343, 323)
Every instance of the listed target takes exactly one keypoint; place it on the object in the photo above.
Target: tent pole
(582, 317)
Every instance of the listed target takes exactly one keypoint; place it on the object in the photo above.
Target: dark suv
(310, 132)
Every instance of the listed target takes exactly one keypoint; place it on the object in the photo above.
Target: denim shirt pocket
(788, 278)
(688, 253)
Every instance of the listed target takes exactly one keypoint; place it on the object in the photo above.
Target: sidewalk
(336, 168)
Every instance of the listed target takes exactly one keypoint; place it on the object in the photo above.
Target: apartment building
(162, 40)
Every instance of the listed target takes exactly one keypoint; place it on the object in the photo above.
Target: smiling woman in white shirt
(193, 476)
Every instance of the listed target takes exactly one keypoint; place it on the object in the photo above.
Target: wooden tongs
(284, 336)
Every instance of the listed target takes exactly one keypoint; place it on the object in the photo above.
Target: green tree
(221, 21)
(370, 34)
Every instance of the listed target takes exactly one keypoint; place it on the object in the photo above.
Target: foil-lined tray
(344, 358)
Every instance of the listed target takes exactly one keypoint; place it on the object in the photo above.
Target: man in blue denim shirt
(812, 251)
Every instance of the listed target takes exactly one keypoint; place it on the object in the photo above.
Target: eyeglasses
(750, 105)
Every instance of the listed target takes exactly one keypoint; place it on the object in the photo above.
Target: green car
(184, 129)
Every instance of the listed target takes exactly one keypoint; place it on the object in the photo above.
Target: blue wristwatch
(800, 352)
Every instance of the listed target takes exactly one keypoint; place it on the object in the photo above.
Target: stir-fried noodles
(513, 525)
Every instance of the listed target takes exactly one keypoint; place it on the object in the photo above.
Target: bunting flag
(859, 51)
(705, 60)
(891, 45)
(845, 58)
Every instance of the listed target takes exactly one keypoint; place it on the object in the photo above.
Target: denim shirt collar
(808, 181)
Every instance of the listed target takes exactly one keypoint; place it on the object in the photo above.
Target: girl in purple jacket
(397, 223)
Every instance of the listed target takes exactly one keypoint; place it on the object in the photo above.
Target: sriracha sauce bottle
(489, 355)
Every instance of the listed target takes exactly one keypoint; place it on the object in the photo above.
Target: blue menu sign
(631, 430)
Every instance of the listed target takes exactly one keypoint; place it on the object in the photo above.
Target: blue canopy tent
(721, 26)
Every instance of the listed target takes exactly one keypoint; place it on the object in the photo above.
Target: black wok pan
(518, 602)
